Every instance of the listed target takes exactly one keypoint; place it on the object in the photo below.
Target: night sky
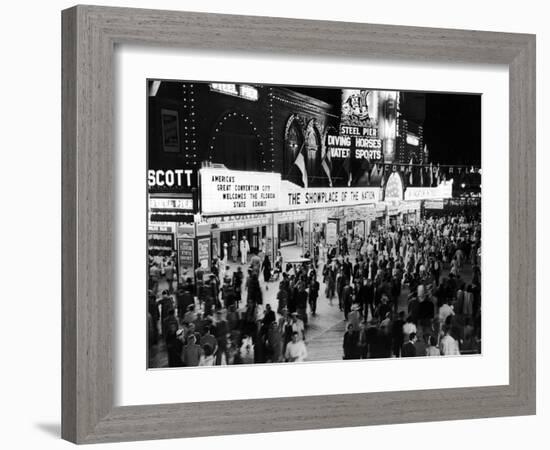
(452, 122)
(452, 128)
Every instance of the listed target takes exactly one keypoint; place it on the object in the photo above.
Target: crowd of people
(443, 312)
(220, 317)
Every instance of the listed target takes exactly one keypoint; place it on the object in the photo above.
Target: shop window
(287, 233)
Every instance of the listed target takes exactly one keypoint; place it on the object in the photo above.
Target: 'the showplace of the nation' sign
(294, 197)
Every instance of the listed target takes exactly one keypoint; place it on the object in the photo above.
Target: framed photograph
(316, 233)
(170, 130)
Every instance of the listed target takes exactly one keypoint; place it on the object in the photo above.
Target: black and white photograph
(291, 224)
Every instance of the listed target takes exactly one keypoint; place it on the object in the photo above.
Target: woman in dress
(266, 268)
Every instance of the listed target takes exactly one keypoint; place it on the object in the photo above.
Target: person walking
(238, 285)
(350, 343)
(296, 350)
(313, 294)
(245, 248)
(266, 269)
(234, 249)
(409, 349)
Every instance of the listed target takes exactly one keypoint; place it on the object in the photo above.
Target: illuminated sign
(170, 178)
(359, 142)
(238, 221)
(359, 107)
(434, 204)
(394, 187)
(295, 197)
(236, 192)
(237, 90)
(412, 140)
(171, 203)
(444, 190)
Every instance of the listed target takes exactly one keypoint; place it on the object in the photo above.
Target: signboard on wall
(238, 222)
(359, 107)
(360, 143)
(332, 232)
(185, 204)
(294, 197)
(238, 192)
(444, 190)
(186, 256)
(434, 204)
(236, 90)
(394, 188)
(368, 125)
(170, 130)
(203, 252)
(171, 181)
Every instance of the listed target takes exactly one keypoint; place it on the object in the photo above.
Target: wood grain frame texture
(90, 34)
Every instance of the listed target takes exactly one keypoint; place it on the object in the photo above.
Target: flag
(301, 163)
(411, 172)
(326, 163)
(374, 171)
(431, 175)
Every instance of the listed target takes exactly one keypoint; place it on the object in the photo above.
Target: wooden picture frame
(90, 34)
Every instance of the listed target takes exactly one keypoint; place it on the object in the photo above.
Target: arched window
(235, 144)
(294, 141)
(314, 150)
(313, 153)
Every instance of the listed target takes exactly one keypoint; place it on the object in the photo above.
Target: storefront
(231, 229)
(290, 227)
(410, 212)
(168, 213)
(160, 239)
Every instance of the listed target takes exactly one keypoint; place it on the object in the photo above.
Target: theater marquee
(236, 192)
(295, 198)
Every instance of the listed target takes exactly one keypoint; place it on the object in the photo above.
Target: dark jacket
(408, 350)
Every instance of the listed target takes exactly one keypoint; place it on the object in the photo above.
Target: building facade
(276, 166)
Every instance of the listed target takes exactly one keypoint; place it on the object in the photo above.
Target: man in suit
(409, 348)
(350, 343)
(347, 298)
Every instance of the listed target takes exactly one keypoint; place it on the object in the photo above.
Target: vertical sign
(332, 231)
(307, 237)
(203, 252)
(269, 249)
(186, 256)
